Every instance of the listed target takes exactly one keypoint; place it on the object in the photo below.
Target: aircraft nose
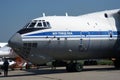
(15, 41)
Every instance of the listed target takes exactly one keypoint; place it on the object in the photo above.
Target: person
(5, 67)
(0, 71)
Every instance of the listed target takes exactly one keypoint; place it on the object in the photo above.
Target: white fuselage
(6, 51)
(90, 36)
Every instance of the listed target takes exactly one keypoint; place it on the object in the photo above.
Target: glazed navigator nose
(15, 41)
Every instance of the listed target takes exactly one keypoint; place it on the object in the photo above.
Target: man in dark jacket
(0, 73)
(5, 67)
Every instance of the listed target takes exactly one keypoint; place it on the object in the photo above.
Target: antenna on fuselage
(66, 14)
(43, 14)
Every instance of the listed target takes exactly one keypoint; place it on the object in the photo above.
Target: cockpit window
(32, 25)
(44, 23)
(48, 24)
(38, 24)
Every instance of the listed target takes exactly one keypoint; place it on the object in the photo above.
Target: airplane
(11, 62)
(6, 51)
(13, 59)
(70, 38)
(2, 44)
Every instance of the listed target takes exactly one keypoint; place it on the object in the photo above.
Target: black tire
(74, 67)
(78, 67)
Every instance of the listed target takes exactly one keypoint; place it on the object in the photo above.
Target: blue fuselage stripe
(74, 33)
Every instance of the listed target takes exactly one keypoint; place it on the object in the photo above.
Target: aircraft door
(84, 41)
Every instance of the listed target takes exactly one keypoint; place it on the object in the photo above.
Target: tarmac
(88, 73)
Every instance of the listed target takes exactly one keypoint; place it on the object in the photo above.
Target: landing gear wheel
(74, 67)
(78, 67)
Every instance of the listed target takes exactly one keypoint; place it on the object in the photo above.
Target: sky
(14, 14)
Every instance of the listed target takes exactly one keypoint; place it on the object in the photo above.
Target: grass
(105, 62)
